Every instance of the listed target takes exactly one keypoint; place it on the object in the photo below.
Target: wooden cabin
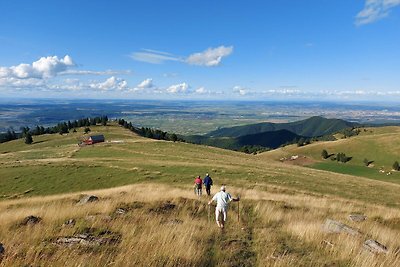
(93, 139)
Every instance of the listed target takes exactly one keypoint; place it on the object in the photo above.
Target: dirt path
(233, 246)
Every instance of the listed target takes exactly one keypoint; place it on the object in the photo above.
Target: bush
(396, 166)
(324, 154)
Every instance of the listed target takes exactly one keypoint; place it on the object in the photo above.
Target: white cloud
(45, 67)
(241, 90)
(210, 57)
(147, 83)
(153, 56)
(91, 72)
(201, 90)
(111, 83)
(375, 10)
(178, 88)
(11, 82)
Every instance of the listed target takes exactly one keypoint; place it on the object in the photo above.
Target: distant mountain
(311, 127)
(271, 140)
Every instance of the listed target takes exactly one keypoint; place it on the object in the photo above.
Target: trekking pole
(208, 215)
(239, 209)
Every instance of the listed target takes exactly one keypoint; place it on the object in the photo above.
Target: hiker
(208, 182)
(222, 198)
(198, 184)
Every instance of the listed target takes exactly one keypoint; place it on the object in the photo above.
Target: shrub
(396, 166)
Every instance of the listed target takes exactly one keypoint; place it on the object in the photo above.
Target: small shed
(93, 139)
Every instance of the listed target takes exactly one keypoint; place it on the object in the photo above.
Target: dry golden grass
(276, 229)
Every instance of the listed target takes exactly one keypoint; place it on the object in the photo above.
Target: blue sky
(311, 49)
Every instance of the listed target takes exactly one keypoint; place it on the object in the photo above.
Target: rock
(89, 238)
(2, 250)
(87, 198)
(327, 243)
(375, 247)
(357, 217)
(121, 211)
(70, 222)
(332, 226)
(30, 220)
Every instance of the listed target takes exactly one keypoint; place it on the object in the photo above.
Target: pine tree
(28, 138)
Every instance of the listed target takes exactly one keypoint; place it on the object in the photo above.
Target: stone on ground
(87, 198)
(2, 250)
(357, 217)
(30, 220)
(332, 226)
(70, 222)
(375, 247)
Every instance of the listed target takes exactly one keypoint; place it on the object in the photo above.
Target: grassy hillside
(377, 145)
(281, 214)
(311, 127)
(56, 164)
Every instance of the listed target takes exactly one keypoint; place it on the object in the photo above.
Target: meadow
(282, 212)
(377, 145)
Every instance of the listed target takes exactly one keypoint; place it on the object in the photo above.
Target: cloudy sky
(306, 49)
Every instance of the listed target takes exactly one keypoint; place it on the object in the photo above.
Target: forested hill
(311, 127)
(270, 140)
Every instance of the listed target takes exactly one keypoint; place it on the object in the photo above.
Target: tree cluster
(61, 128)
(250, 149)
(8, 136)
(349, 132)
(341, 157)
(149, 132)
(303, 141)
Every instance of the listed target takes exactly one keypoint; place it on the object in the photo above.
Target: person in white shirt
(222, 198)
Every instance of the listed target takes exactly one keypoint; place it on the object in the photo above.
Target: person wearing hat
(208, 182)
(222, 198)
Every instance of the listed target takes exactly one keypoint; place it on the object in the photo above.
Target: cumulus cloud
(112, 83)
(241, 90)
(45, 67)
(209, 58)
(147, 83)
(375, 10)
(178, 88)
(201, 90)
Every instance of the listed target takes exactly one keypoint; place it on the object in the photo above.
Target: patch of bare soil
(298, 160)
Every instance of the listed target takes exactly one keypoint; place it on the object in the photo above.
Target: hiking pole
(208, 215)
(238, 209)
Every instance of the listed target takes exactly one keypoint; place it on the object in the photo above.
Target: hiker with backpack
(222, 198)
(198, 184)
(208, 182)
